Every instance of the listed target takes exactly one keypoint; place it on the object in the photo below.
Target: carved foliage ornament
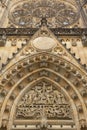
(44, 101)
(29, 14)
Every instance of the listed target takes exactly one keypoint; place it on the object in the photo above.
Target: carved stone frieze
(43, 99)
(32, 31)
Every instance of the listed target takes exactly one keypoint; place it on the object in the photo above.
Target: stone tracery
(57, 13)
(43, 100)
(44, 89)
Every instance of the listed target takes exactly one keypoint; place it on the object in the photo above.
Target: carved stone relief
(44, 100)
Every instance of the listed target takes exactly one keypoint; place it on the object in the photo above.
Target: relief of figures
(44, 99)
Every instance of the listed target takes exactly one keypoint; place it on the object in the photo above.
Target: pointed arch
(65, 74)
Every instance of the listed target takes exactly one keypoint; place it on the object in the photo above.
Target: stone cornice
(31, 31)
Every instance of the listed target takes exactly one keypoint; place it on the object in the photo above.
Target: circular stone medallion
(44, 43)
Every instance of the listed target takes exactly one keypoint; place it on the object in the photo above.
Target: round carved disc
(44, 43)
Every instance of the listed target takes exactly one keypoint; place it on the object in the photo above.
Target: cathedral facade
(43, 65)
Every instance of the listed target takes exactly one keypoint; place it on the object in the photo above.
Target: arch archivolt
(26, 89)
(67, 76)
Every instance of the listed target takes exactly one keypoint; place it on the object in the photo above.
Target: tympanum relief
(44, 100)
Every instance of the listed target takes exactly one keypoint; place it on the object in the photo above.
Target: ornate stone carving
(83, 124)
(57, 13)
(84, 40)
(3, 40)
(32, 31)
(44, 100)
